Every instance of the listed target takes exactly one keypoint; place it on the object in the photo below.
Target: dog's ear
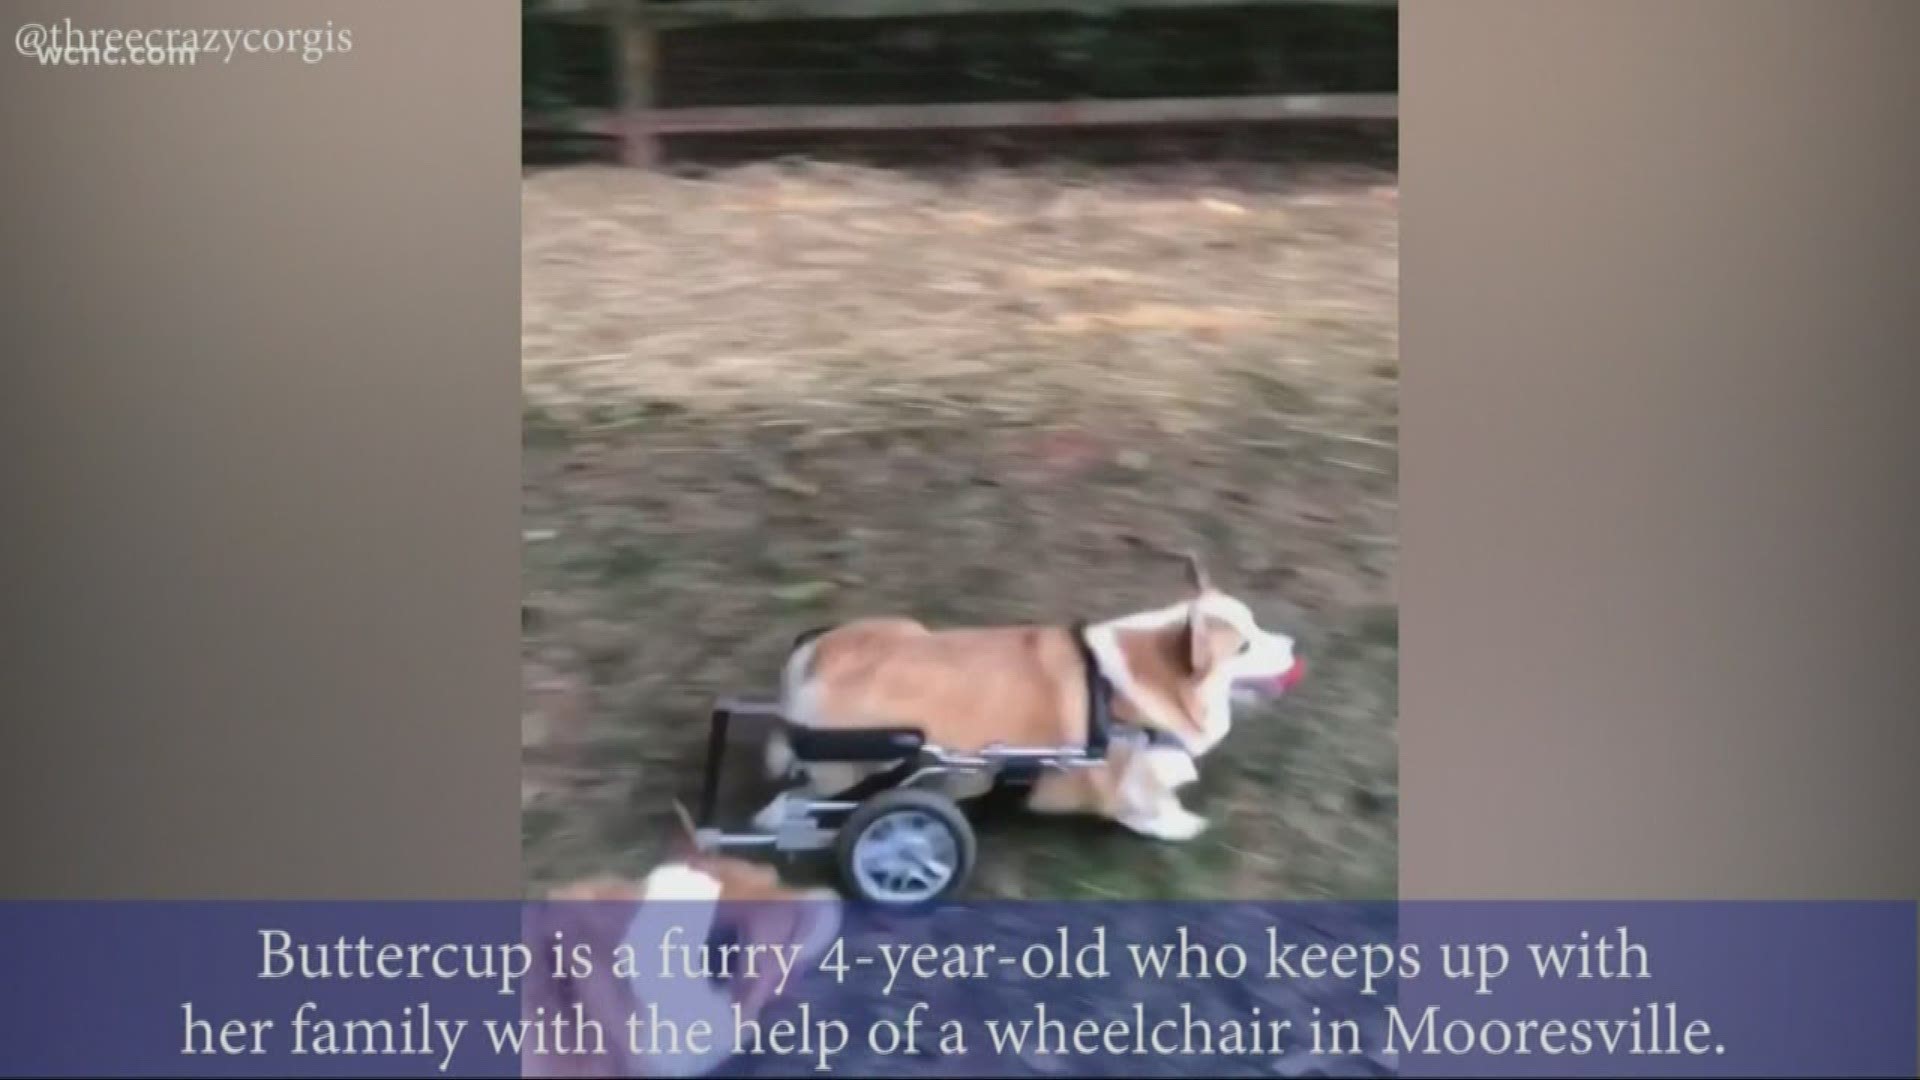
(1199, 656)
(1197, 577)
(1199, 653)
(1210, 641)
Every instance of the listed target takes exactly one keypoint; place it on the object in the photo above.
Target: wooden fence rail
(637, 124)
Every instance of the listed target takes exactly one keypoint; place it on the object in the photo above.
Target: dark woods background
(1090, 53)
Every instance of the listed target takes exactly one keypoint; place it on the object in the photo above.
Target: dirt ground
(777, 396)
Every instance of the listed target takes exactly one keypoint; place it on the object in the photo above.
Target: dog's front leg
(1150, 800)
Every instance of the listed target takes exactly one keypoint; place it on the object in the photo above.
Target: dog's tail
(793, 693)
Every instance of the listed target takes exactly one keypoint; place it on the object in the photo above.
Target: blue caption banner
(993, 989)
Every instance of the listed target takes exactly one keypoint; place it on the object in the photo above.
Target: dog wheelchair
(895, 841)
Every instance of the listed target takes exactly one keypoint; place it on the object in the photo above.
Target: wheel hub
(905, 857)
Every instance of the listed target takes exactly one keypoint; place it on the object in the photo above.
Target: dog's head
(1227, 648)
(1185, 664)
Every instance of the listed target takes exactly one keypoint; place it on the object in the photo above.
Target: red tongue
(1293, 675)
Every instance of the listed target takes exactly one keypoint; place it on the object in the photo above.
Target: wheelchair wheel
(906, 847)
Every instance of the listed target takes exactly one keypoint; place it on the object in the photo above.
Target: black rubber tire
(965, 843)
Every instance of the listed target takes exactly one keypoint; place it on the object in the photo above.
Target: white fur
(799, 703)
(678, 898)
(1171, 822)
(771, 815)
(1103, 639)
(693, 891)
(675, 883)
(1149, 800)
(1151, 804)
(1170, 768)
(1268, 654)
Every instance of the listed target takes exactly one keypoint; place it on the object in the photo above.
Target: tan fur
(1017, 686)
(972, 688)
(1101, 789)
(1168, 665)
(966, 689)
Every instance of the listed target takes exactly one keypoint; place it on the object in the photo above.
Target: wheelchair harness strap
(1100, 702)
(1099, 695)
(1014, 778)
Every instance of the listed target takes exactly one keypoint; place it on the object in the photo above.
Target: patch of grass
(626, 563)
(1379, 627)
(1272, 392)
(541, 429)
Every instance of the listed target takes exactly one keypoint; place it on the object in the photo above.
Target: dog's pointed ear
(1199, 651)
(1197, 577)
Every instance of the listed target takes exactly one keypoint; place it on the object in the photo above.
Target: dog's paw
(1175, 824)
(1182, 824)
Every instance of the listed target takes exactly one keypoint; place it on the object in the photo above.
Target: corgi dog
(774, 933)
(1172, 676)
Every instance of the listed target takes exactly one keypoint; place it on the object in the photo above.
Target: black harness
(1100, 702)
(1099, 695)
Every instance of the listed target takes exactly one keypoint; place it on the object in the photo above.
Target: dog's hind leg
(819, 780)
(829, 778)
(781, 762)
(798, 704)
